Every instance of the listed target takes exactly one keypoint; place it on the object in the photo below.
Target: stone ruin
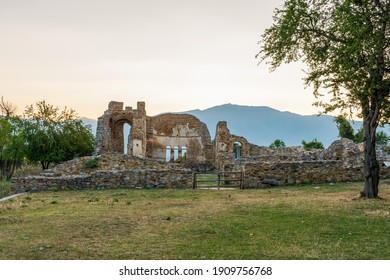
(165, 151)
(168, 137)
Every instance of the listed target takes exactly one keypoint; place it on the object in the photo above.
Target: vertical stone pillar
(138, 132)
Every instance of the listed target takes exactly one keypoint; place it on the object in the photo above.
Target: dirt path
(11, 196)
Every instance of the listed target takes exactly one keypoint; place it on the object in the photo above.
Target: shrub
(92, 163)
(277, 144)
(312, 145)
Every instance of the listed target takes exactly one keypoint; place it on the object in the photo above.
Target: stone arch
(118, 135)
(109, 132)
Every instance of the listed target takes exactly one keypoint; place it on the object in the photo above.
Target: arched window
(237, 149)
(184, 152)
(168, 154)
(175, 153)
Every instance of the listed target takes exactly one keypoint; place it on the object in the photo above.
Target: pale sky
(175, 55)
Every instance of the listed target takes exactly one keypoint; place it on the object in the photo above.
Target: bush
(92, 163)
(277, 144)
(312, 145)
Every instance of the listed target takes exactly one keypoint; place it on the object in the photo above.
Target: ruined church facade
(166, 137)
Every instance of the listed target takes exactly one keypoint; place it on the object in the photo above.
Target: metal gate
(231, 179)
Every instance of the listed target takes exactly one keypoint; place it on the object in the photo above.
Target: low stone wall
(258, 174)
(106, 179)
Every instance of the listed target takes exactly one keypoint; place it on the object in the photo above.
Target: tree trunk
(371, 166)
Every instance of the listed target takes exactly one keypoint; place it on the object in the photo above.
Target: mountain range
(262, 125)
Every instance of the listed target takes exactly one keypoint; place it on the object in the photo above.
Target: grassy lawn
(296, 222)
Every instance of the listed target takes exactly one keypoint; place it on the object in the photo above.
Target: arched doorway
(121, 136)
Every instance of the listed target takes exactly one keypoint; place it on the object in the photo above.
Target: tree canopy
(312, 145)
(345, 45)
(278, 143)
(53, 135)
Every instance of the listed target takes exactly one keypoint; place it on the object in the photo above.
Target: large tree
(345, 45)
(53, 135)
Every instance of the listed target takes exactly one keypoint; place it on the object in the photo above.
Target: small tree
(277, 144)
(344, 127)
(54, 136)
(346, 131)
(7, 109)
(312, 145)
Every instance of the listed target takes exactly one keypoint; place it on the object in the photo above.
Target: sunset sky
(175, 55)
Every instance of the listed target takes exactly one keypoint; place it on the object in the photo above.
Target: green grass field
(295, 222)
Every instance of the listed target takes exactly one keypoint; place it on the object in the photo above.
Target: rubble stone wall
(107, 179)
(259, 174)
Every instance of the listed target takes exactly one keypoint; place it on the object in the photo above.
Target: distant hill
(91, 122)
(261, 125)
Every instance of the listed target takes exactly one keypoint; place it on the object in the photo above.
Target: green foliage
(312, 145)
(92, 163)
(12, 146)
(277, 144)
(382, 138)
(344, 45)
(346, 131)
(344, 127)
(54, 136)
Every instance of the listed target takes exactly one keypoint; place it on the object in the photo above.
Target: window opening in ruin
(184, 152)
(175, 153)
(168, 154)
(126, 136)
(237, 149)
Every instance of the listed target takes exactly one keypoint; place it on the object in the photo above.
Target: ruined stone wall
(259, 174)
(178, 130)
(112, 171)
(342, 161)
(109, 133)
(150, 136)
(224, 150)
(107, 179)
